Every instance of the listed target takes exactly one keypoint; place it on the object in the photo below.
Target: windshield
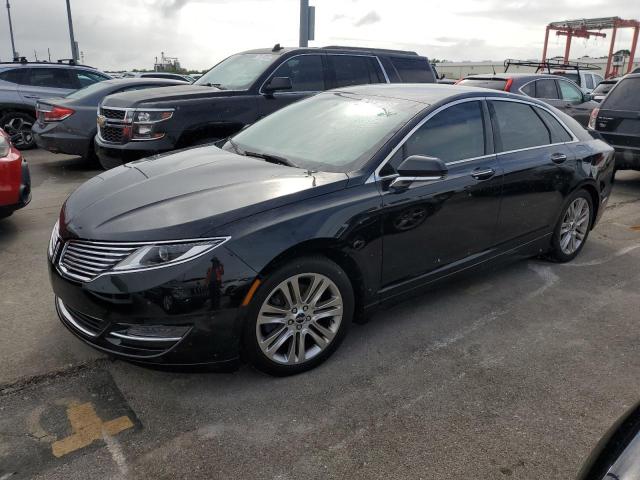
(86, 91)
(334, 132)
(237, 72)
(604, 87)
(492, 83)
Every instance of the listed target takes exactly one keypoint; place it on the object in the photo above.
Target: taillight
(507, 87)
(54, 114)
(593, 118)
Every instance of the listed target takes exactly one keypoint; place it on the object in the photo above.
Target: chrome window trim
(375, 176)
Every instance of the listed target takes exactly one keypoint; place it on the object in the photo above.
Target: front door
(308, 77)
(431, 227)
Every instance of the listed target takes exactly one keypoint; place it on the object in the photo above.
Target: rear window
(626, 95)
(604, 87)
(492, 83)
(15, 75)
(413, 70)
(355, 70)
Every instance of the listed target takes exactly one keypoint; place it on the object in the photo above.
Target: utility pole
(13, 45)
(307, 23)
(74, 45)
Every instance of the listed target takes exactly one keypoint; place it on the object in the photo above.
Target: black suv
(238, 91)
(23, 83)
(618, 121)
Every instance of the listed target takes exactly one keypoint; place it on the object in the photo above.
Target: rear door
(412, 69)
(349, 70)
(308, 74)
(46, 82)
(619, 119)
(538, 167)
(449, 222)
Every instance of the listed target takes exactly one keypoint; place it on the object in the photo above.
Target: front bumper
(129, 315)
(16, 180)
(55, 138)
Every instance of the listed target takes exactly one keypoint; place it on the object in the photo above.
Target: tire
(306, 339)
(578, 222)
(5, 214)
(18, 126)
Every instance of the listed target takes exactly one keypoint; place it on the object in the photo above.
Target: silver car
(23, 83)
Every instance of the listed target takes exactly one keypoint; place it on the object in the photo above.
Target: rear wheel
(573, 227)
(299, 316)
(18, 127)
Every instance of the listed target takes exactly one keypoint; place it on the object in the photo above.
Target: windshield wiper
(270, 158)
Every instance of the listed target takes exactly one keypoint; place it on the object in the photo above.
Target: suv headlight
(166, 254)
(54, 240)
(145, 124)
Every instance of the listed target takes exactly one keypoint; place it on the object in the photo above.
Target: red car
(15, 182)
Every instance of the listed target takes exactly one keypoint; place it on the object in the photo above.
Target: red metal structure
(587, 28)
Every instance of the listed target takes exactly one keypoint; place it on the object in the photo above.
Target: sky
(127, 34)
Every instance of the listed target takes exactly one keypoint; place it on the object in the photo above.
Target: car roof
(507, 75)
(4, 65)
(426, 93)
(141, 81)
(337, 49)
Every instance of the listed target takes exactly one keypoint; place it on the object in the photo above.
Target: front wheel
(573, 227)
(299, 316)
(18, 127)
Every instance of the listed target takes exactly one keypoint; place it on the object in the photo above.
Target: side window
(558, 133)
(353, 70)
(519, 126)
(569, 92)
(588, 80)
(413, 70)
(51, 78)
(455, 133)
(597, 79)
(546, 89)
(305, 71)
(529, 89)
(14, 75)
(86, 78)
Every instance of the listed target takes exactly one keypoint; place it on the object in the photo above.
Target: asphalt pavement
(512, 373)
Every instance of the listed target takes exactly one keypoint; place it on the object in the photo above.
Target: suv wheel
(18, 127)
(299, 316)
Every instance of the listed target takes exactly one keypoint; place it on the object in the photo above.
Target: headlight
(54, 240)
(166, 254)
(145, 124)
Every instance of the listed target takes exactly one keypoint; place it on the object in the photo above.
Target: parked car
(618, 121)
(22, 84)
(603, 88)
(237, 92)
(68, 124)
(586, 80)
(557, 91)
(312, 215)
(165, 75)
(15, 181)
(617, 455)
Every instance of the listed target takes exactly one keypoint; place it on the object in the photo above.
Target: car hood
(161, 95)
(185, 195)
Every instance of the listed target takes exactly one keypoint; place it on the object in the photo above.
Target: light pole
(304, 23)
(13, 45)
(74, 45)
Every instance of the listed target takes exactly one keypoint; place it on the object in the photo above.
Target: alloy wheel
(19, 130)
(299, 319)
(575, 226)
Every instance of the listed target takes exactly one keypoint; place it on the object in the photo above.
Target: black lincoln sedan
(267, 248)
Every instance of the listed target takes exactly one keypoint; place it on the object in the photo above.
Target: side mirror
(277, 84)
(587, 97)
(419, 168)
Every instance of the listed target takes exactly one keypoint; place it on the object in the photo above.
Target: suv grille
(83, 260)
(112, 134)
(113, 114)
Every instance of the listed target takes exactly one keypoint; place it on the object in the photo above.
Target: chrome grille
(84, 260)
(113, 114)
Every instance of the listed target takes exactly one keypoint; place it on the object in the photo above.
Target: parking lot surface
(512, 373)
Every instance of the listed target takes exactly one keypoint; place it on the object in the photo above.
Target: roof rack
(364, 49)
(62, 61)
(548, 64)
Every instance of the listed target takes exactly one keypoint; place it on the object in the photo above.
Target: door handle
(484, 174)
(558, 158)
